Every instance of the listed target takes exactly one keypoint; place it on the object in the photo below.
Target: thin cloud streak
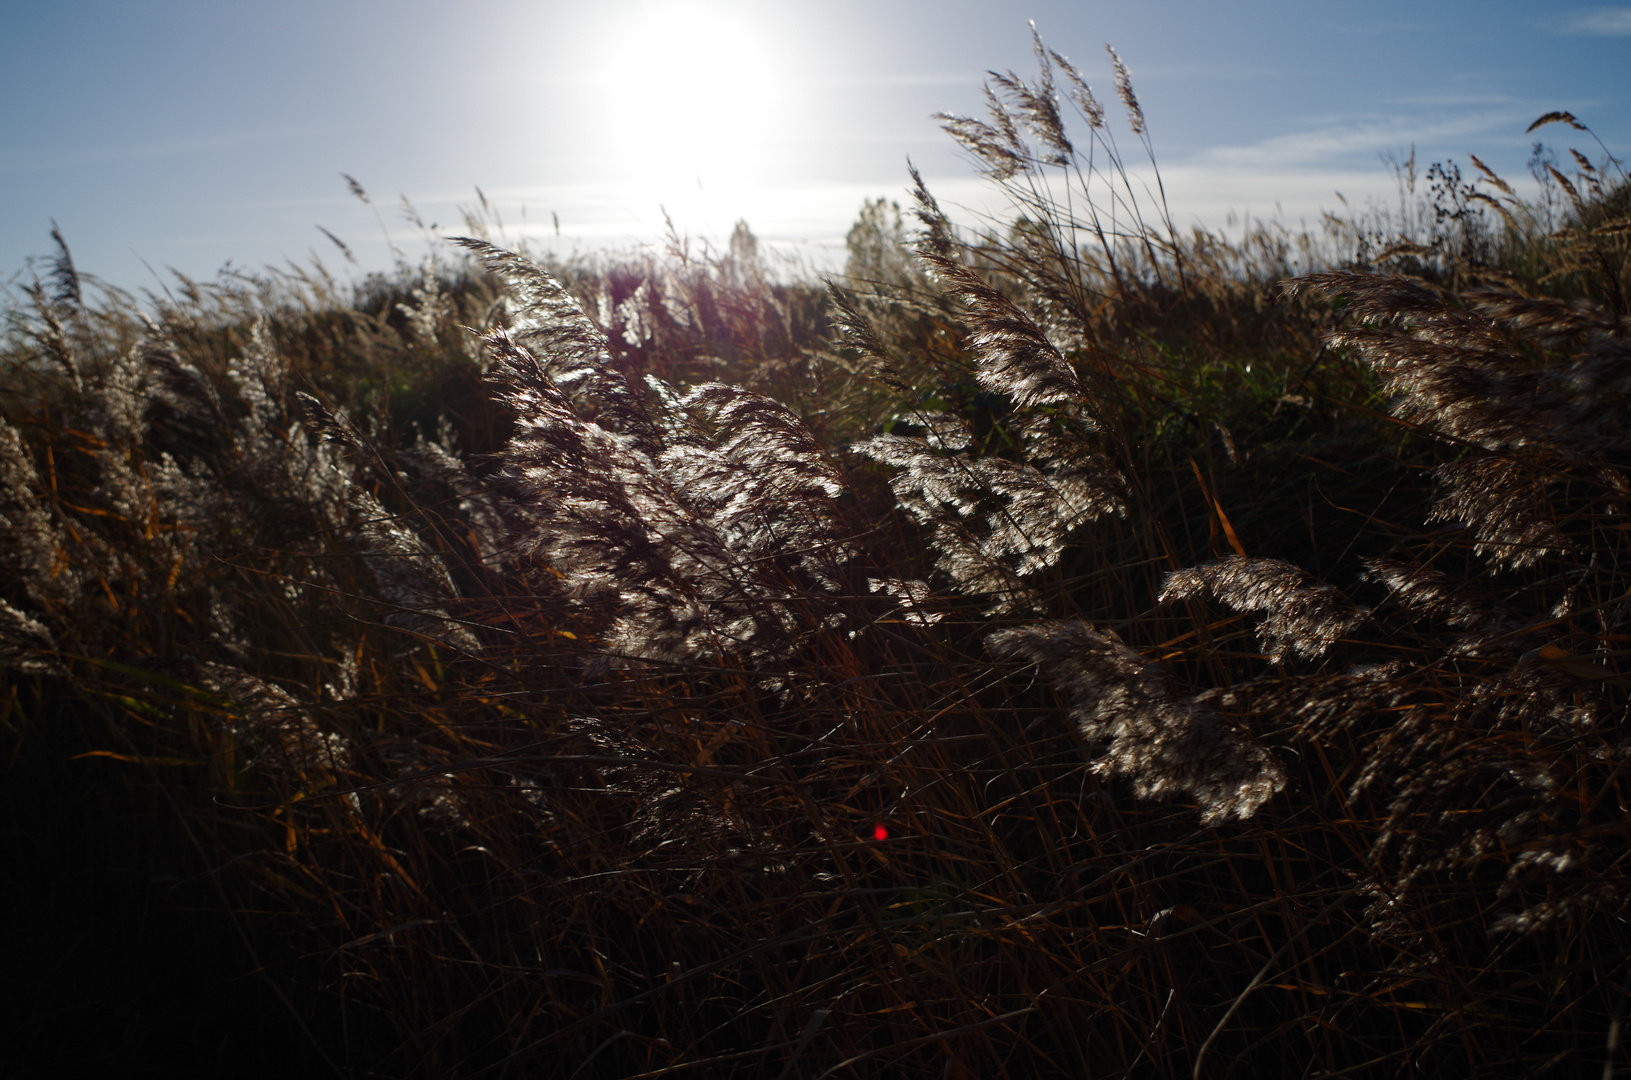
(1449, 100)
(864, 81)
(1601, 22)
(1338, 142)
(47, 159)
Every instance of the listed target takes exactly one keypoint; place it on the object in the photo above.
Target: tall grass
(1071, 647)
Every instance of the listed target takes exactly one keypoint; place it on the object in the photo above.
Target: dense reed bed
(1070, 646)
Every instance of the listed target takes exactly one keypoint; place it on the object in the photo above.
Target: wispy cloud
(922, 78)
(1445, 100)
(41, 159)
(1380, 28)
(1347, 142)
(1598, 22)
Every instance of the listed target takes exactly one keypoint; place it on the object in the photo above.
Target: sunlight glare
(692, 94)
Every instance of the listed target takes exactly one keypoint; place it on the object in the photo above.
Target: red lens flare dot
(879, 832)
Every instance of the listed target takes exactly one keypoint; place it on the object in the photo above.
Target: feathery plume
(1080, 93)
(35, 549)
(53, 336)
(1457, 370)
(550, 324)
(345, 249)
(764, 482)
(478, 506)
(699, 538)
(1124, 90)
(1556, 118)
(856, 331)
(1014, 356)
(1037, 108)
(911, 597)
(1505, 503)
(1433, 592)
(995, 520)
(1495, 204)
(633, 316)
(997, 148)
(275, 722)
(67, 290)
(1489, 174)
(1165, 743)
(431, 308)
(1301, 615)
(27, 645)
(1568, 187)
(937, 238)
(1548, 318)
(180, 385)
(411, 579)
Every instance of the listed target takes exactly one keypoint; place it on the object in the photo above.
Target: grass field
(1070, 646)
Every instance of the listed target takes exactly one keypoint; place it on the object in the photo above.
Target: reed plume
(1301, 615)
(1165, 743)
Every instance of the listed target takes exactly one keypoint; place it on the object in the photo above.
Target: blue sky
(178, 133)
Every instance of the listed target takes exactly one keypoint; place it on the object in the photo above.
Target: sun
(692, 95)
